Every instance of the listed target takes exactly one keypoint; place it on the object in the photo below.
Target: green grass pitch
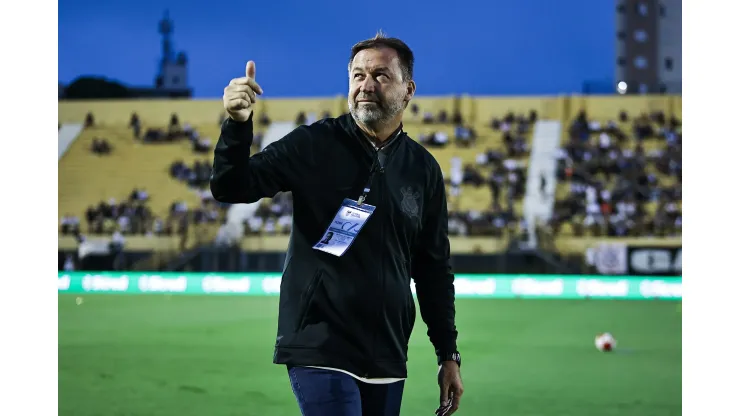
(209, 355)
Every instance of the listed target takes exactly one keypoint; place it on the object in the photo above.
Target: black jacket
(353, 312)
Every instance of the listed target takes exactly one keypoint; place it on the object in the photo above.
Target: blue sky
(301, 47)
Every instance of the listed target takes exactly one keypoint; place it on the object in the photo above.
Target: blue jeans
(326, 392)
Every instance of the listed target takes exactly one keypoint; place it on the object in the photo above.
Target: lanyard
(376, 166)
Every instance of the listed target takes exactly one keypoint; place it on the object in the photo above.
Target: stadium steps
(68, 133)
(277, 131)
(546, 138)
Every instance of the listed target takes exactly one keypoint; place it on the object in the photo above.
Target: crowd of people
(195, 176)
(134, 216)
(502, 172)
(505, 178)
(273, 216)
(624, 178)
(174, 132)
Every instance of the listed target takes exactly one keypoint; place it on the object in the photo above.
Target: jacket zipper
(381, 276)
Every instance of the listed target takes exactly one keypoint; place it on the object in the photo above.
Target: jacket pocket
(410, 317)
(307, 298)
(410, 311)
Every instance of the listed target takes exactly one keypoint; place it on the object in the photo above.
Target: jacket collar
(350, 125)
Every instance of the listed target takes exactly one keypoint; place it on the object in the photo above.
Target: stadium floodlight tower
(172, 69)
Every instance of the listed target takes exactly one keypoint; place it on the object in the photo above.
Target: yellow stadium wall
(608, 107)
(482, 109)
(288, 108)
(676, 106)
(151, 112)
(432, 104)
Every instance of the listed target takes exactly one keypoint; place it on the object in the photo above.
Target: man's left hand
(450, 388)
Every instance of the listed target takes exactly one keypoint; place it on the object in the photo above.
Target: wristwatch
(450, 356)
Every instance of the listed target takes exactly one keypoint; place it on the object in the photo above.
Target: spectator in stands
(89, 120)
(471, 176)
(173, 129)
(263, 120)
(643, 128)
(495, 124)
(179, 171)
(100, 147)
(414, 112)
(428, 117)
(201, 145)
(579, 128)
(135, 125)
(139, 195)
(457, 118)
(623, 116)
(489, 158)
(134, 120)
(434, 139)
(196, 176)
(515, 146)
(70, 224)
(153, 135)
(91, 216)
(300, 119)
(523, 126)
(442, 117)
(464, 136)
(495, 183)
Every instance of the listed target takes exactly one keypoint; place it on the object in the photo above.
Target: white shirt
(364, 380)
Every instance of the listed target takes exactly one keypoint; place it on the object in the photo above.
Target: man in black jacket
(370, 213)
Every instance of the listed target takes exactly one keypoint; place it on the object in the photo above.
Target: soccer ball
(605, 342)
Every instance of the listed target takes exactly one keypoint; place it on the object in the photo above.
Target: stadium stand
(134, 173)
(627, 183)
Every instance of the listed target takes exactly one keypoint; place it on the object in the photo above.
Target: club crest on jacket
(408, 203)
